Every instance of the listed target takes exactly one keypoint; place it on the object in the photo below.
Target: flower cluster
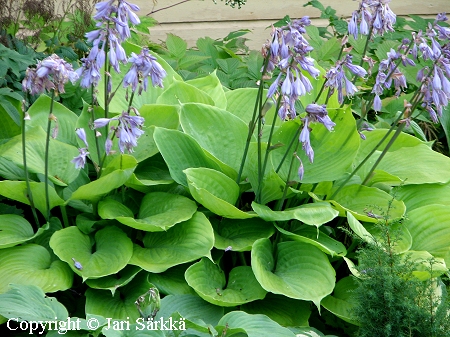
(144, 66)
(289, 53)
(388, 73)
(374, 14)
(435, 83)
(80, 160)
(52, 73)
(113, 29)
(127, 131)
(336, 79)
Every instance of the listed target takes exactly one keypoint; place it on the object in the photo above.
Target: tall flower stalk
(51, 74)
(433, 92)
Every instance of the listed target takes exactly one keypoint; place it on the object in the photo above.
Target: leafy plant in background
(202, 194)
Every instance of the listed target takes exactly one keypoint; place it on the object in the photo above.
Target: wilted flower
(50, 73)
(127, 131)
(144, 66)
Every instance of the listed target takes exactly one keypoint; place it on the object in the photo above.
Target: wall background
(199, 18)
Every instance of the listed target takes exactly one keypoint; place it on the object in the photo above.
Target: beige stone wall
(198, 18)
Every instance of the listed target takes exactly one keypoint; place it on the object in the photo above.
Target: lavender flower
(112, 30)
(435, 82)
(315, 113)
(288, 52)
(80, 160)
(128, 131)
(144, 66)
(372, 13)
(388, 73)
(52, 73)
(337, 80)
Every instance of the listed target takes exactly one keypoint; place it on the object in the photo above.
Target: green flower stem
(266, 156)
(376, 146)
(258, 192)
(97, 145)
(47, 148)
(280, 202)
(251, 125)
(27, 178)
(297, 134)
(391, 141)
(326, 79)
(66, 222)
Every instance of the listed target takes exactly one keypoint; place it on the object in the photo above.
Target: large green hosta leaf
(113, 282)
(415, 196)
(252, 325)
(300, 270)
(191, 307)
(401, 160)
(66, 119)
(32, 264)
(172, 281)
(341, 303)
(15, 230)
(120, 103)
(213, 87)
(116, 173)
(315, 214)
(180, 152)
(216, 130)
(31, 304)
(121, 305)
(215, 191)
(368, 204)
(159, 211)
(316, 238)
(239, 235)
(17, 190)
(61, 171)
(430, 230)
(180, 92)
(283, 310)
(333, 151)
(208, 280)
(113, 250)
(165, 116)
(185, 242)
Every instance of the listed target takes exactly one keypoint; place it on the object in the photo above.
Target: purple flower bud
(101, 122)
(286, 86)
(82, 135)
(353, 25)
(377, 103)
